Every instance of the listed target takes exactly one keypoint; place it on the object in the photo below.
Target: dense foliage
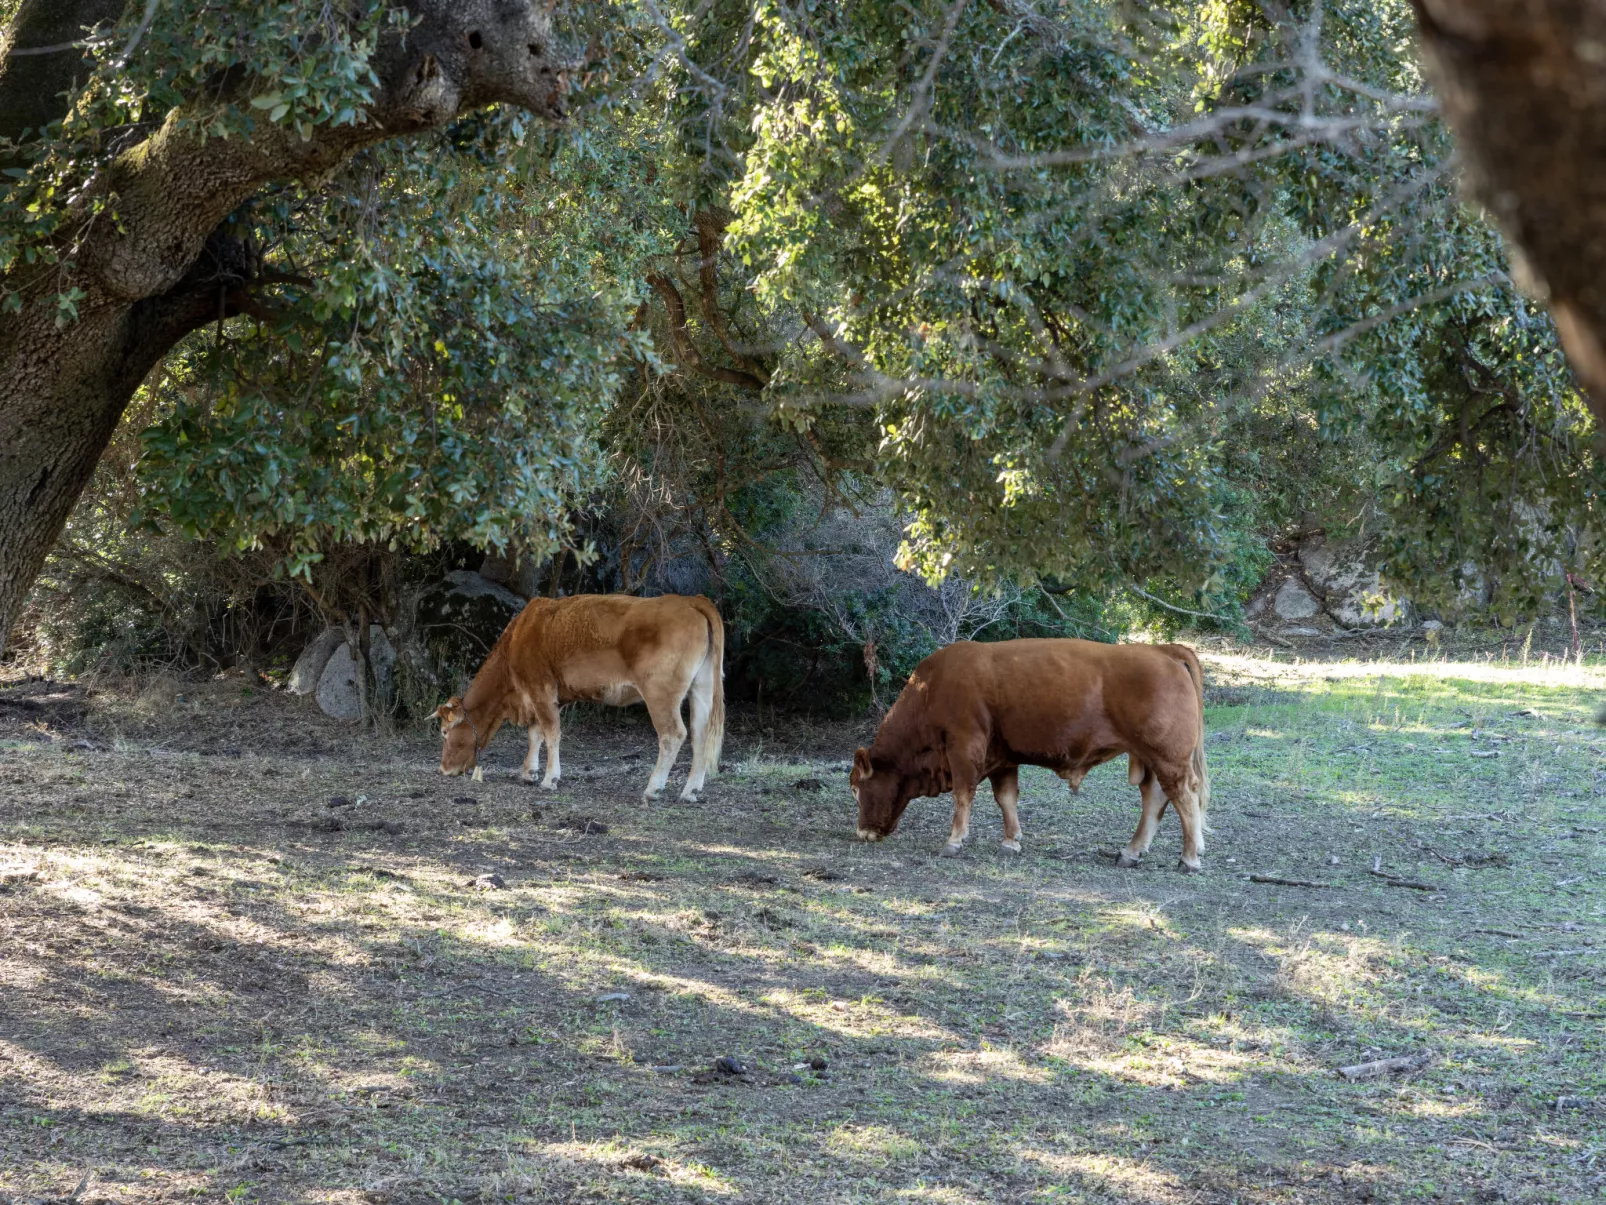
(1094, 297)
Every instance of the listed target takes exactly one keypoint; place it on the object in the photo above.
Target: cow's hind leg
(663, 705)
(533, 758)
(964, 796)
(1189, 812)
(1154, 801)
(701, 696)
(1006, 793)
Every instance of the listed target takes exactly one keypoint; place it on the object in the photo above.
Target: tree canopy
(1105, 294)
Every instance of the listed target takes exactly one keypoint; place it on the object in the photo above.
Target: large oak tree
(140, 250)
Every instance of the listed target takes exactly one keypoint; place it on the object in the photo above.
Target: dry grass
(203, 998)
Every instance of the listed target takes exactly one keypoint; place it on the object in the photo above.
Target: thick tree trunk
(33, 86)
(163, 269)
(1524, 88)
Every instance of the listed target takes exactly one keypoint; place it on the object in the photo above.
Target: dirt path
(246, 955)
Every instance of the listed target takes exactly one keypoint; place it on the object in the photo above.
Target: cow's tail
(714, 661)
(1201, 764)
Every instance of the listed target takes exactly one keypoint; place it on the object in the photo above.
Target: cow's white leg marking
(1006, 792)
(554, 768)
(702, 705)
(964, 796)
(547, 717)
(1154, 802)
(664, 708)
(1187, 803)
(533, 757)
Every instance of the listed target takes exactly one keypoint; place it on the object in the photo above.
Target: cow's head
(881, 797)
(460, 749)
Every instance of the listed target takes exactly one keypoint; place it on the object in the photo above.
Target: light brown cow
(973, 711)
(607, 648)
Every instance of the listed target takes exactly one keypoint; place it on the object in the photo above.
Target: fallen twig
(1496, 933)
(1271, 878)
(1409, 1062)
(1394, 880)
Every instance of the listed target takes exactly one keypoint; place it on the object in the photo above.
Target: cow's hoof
(651, 796)
(1126, 861)
(1184, 866)
(550, 784)
(527, 778)
(952, 850)
(1011, 847)
(688, 796)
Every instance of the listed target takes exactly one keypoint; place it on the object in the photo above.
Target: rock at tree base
(338, 695)
(1353, 589)
(314, 658)
(1293, 601)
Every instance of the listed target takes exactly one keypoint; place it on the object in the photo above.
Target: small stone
(613, 998)
(730, 1065)
(489, 882)
(1294, 601)
(340, 801)
(467, 801)
(819, 1063)
(809, 784)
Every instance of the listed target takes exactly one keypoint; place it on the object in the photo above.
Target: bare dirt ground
(249, 954)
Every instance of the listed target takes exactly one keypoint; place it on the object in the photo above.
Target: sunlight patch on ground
(875, 1144)
(1258, 668)
(1134, 1180)
(982, 1066)
(614, 1158)
(848, 1018)
(937, 1194)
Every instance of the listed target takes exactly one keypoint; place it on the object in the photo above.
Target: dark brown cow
(973, 711)
(609, 648)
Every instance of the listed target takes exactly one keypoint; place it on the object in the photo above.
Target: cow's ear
(451, 711)
(862, 768)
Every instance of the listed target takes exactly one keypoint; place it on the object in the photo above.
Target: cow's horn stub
(451, 711)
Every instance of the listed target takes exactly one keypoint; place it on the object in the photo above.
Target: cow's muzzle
(869, 834)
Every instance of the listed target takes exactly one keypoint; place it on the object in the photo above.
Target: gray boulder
(338, 694)
(468, 584)
(310, 665)
(1351, 589)
(1293, 601)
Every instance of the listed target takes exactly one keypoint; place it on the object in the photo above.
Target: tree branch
(685, 350)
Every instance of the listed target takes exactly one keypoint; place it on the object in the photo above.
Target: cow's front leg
(1154, 802)
(546, 717)
(554, 767)
(1006, 793)
(964, 796)
(533, 757)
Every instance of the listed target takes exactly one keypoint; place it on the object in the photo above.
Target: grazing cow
(608, 648)
(973, 711)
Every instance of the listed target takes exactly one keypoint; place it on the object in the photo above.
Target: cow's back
(588, 643)
(1056, 702)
